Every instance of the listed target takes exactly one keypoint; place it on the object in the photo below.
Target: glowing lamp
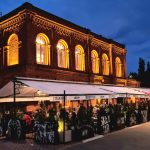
(60, 126)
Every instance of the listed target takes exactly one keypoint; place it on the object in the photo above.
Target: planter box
(76, 135)
(87, 132)
(68, 136)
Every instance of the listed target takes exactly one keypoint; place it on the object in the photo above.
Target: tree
(147, 75)
(148, 67)
(143, 74)
(141, 71)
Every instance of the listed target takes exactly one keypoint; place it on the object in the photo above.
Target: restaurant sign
(76, 97)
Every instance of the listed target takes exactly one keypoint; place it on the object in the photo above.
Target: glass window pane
(13, 50)
(42, 49)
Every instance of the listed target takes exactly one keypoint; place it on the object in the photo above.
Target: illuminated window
(79, 58)
(62, 54)
(13, 50)
(118, 67)
(95, 61)
(105, 64)
(42, 49)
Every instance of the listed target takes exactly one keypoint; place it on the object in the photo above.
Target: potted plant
(84, 119)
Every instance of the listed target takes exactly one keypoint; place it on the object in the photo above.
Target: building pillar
(89, 63)
(5, 57)
(124, 65)
(110, 56)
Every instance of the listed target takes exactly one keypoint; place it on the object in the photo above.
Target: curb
(93, 138)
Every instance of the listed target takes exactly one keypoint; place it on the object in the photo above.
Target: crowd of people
(100, 118)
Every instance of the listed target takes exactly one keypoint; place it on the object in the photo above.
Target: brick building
(37, 44)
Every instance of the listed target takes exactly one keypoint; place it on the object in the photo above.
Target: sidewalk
(29, 143)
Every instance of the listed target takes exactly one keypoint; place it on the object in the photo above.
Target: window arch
(42, 49)
(62, 54)
(79, 58)
(13, 50)
(105, 64)
(95, 61)
(118, 66)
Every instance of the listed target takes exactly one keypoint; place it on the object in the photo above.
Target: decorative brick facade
(27, 22)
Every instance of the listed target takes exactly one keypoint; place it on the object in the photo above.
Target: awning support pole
(14, 95)
(126, 99)
(64, 117)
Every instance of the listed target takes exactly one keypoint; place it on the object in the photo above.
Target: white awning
(31, 89)
(28, 89)
(7, 90)
(124, 91)
(24, 99)
(143, 90)
(21, 91)
(52, 87)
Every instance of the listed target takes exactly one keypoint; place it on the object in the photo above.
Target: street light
(130, 76)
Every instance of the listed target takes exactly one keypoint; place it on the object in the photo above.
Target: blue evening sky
(125, 21)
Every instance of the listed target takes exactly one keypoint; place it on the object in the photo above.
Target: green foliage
(40, 116)
(143, 74)
(64, 114)
(89, 114)
(147, 76)
(82, 115)
(52, 113)
(141, 69)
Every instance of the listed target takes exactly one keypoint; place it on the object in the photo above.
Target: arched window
(118, 66)
(13, 50)
(79, 58)
(42, 49)
(105, 64)
(95, 61)
(62, 54)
